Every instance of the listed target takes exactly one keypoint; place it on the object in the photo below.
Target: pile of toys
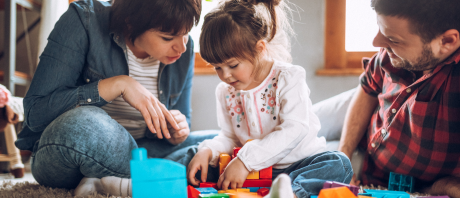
(164, 178)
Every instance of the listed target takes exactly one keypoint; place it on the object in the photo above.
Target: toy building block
(227, 191)
(257, 183)
(208, 185)
(207, 190)
(361, 196)
(161, 177)
(253, 175)
(242, 190)
(313, 196)
(340, 192)
(243, 195)
(224, 159)
(253, 189)
(384, 194)
(263, 191)
(266, 173)
(444, 196)
(235, 151)
(192, 192)
(332, 184)
(220, 195)
(399, 182)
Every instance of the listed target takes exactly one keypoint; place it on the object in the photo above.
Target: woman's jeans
(87, 142)
(307, 175)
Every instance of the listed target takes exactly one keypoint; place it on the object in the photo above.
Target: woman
(107, 82)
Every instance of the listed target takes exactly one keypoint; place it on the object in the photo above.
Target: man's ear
(450, 41)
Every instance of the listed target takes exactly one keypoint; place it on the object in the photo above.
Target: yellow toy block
(242, 190)
(341, 192)
(244, 195)
(253, 175)
(226, 191)
(224, 159)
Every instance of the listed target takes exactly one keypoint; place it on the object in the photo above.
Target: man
(408, 100)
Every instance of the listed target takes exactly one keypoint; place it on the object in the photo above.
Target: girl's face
(237, 73)
(162, 46)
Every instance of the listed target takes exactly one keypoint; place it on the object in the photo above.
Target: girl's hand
(199, 162)
(178, 136)
(154, 112)
(234, 175)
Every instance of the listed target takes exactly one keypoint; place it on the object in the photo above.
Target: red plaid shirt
(415, 130)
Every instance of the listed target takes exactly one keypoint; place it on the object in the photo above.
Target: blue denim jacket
(81, 51)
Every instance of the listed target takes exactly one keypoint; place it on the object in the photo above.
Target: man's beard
(424, 62)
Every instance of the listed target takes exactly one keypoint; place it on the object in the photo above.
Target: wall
(307, 51)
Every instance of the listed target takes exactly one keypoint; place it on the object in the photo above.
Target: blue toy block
(253, 189)
(156, 177)
(445, 196)
(313, 196)
(207, 190)
(384, 194)
(400, 182)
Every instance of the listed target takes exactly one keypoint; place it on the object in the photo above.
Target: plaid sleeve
(371, 79)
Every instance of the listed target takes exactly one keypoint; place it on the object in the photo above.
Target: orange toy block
(224, 159)
(192, 192)
(341, 192)
(242, 190)
(226, 191)
(244, 195)
(253, 175)
(263, 191)
(266, 173)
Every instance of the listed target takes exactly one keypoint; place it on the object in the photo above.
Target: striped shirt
(144, 71)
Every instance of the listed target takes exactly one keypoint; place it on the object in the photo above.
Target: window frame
(337, 61)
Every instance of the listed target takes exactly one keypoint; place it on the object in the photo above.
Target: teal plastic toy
(157, 177)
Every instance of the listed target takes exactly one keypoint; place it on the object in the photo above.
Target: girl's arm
(297, 122)
(226, 140)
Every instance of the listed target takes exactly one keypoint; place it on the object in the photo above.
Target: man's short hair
(428, 18)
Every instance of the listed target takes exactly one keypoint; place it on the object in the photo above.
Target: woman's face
(162, 46)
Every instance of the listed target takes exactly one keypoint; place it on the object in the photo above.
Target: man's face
(406, 50)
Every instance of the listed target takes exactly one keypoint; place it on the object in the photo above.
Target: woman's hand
(234, 175)
(199, 162)
(155, 114)
(178, 136)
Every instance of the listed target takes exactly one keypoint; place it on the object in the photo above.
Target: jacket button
(89, 100)
(87, 80)
(161, 91)
(373, 145)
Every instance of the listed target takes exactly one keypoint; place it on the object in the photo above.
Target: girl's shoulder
(288, 70)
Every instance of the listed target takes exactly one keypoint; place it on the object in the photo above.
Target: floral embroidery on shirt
(269, 98)
(234, 105)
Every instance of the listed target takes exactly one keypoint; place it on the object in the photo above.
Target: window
(201, 66)
(348, 37)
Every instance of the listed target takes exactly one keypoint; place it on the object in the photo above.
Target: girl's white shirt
(277, 115)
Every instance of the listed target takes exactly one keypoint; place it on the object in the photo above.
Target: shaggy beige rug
(34, 190)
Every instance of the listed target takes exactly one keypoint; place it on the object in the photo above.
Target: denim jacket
(81, 51)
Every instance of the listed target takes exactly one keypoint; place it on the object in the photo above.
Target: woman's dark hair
(233, 29)
(134, 17)
(428, 18)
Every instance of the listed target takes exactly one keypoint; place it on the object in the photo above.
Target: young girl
(265, 98)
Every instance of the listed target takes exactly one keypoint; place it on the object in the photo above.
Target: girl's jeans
(307, 175)
(86, 142)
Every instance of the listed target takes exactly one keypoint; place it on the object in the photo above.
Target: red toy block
(257, 183)
(266, 173)
(263, 191)
(208, 185)
(235, 151)
(192, 192)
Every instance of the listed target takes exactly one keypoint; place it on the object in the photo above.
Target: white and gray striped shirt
(144, 71)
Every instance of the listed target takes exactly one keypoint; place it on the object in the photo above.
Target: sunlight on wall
(206, 7)
(361, 26)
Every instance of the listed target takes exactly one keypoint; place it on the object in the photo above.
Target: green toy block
(221, 195)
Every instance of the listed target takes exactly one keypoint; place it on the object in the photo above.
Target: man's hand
(199, 162)
(234, 175)
(449, 186)
(178, 136)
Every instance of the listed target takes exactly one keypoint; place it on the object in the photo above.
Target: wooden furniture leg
(13, 156)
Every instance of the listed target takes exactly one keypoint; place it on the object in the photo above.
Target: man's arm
(357, 119)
